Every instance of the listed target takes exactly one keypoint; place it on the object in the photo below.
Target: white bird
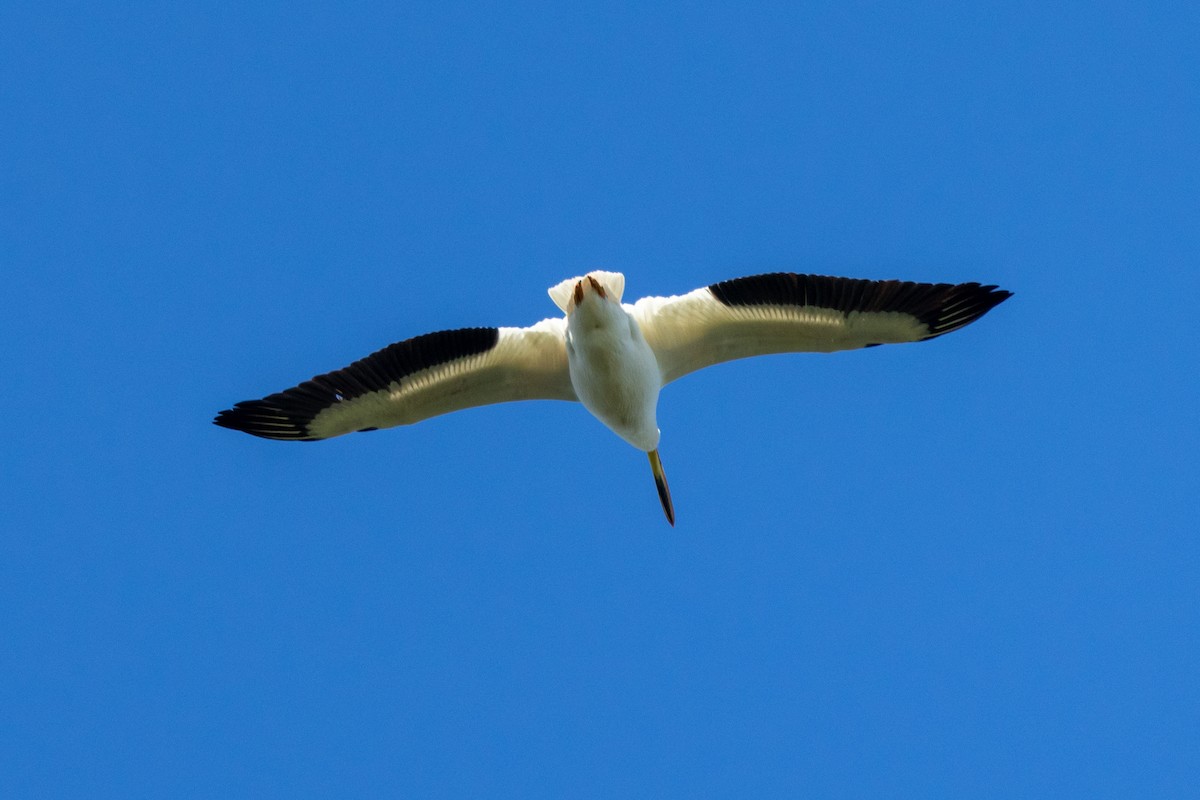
(612, 357)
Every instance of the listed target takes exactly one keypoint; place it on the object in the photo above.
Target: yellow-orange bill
(660, 482)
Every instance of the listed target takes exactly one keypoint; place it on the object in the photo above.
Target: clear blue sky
(966, 568)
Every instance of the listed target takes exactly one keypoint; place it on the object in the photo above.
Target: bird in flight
(612, 357)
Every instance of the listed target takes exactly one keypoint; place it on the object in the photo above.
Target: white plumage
(614, 358)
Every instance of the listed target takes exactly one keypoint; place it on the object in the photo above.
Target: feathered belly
(619, 386)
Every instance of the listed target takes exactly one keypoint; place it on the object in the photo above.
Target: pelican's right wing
(413, 380)
(790, 313)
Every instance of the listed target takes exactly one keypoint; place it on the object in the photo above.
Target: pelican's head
(573, 292)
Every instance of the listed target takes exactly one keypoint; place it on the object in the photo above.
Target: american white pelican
(612, 357)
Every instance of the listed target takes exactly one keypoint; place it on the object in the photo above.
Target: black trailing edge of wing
(285, 415)
(941, 307)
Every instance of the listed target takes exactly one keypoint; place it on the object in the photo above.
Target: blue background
(966, 568)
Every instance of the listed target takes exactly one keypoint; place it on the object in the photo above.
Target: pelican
(614, 358)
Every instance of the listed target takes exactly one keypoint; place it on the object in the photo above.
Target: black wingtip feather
(264, 419)
(963, 304)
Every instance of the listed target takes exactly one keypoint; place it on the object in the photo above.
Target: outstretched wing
(789, 313)
(413, 380)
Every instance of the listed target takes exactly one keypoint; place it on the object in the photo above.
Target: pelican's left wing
(413, 380)
(788, 313)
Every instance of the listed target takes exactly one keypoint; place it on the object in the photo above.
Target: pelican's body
(612, 358)
(613, 370)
